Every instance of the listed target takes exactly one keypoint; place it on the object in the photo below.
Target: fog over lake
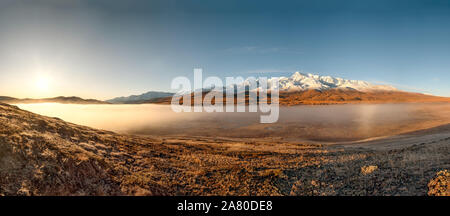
(319, 123)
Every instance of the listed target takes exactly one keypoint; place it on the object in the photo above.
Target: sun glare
(42, 83)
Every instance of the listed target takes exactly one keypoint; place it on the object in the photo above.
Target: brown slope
(46, 156)
(334, 96)
(341, 96)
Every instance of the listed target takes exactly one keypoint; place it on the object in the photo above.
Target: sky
(103, 49)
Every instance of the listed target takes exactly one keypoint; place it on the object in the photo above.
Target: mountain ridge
(59, 99)
(139, 98)
(299, 82)
(310, 89)
(327, 97)
(298, 89)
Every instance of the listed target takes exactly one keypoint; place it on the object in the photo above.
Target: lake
(330, 123)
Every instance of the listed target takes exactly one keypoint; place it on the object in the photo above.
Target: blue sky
(103, 49)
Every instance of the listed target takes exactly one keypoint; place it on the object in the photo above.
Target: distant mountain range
(309, 88)
(61, 99)
(327, 97)
(142, 98)
(297, 89)
(315, 90)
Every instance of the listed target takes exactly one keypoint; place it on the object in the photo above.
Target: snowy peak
(299, 82)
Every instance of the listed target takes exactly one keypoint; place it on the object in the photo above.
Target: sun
(42, 83)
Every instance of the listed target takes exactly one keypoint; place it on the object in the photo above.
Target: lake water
(319, 123)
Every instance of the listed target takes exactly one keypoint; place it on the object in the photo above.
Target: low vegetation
(46, 156)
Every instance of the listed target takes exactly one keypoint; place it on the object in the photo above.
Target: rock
(366, 170)
(440, 185)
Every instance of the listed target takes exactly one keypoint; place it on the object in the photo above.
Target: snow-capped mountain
(302, 82)
(299, 82)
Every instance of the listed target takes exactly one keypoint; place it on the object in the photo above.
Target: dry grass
(46, 156)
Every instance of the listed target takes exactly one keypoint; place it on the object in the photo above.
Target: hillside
(61, 99)
(331, 96)
(343, 96)
(46, 156)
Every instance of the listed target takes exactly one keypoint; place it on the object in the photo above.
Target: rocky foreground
(46, 156)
